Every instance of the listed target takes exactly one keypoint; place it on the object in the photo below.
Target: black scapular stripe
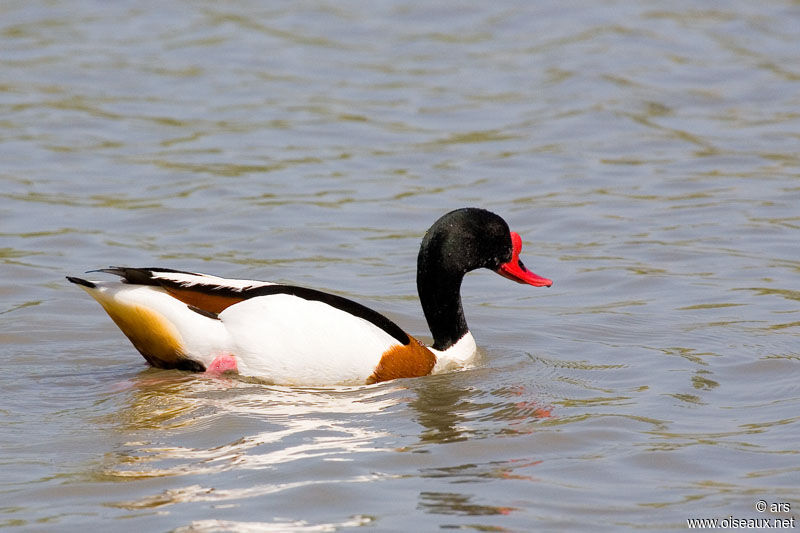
(339, 302)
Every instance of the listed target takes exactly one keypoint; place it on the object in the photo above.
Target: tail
(82, 282)
(139, 311)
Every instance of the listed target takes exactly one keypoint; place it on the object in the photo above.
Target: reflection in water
(201, 526)
(275, 425)
(451, 410)
(492, 470)
(456, 503)
(279, 425)
(439, 409)
(198, 493)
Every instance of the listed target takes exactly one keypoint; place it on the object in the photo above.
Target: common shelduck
(293, 335)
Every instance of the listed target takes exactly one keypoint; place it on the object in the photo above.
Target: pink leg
(222, 364)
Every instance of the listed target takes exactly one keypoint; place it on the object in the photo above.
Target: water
(646, 152)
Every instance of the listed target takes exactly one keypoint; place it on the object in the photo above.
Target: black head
(463, 240)
(467, 239)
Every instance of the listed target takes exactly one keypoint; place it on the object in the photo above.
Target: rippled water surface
(647, 152)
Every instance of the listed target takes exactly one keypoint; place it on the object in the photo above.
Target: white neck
(459, 355)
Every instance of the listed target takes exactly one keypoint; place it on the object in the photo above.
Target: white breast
(460, 355)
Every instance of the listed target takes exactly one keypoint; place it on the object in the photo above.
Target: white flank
(290, 340)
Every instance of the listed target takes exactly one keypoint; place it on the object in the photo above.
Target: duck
(299, 336)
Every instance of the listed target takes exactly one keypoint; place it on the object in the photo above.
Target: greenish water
(647, 153)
